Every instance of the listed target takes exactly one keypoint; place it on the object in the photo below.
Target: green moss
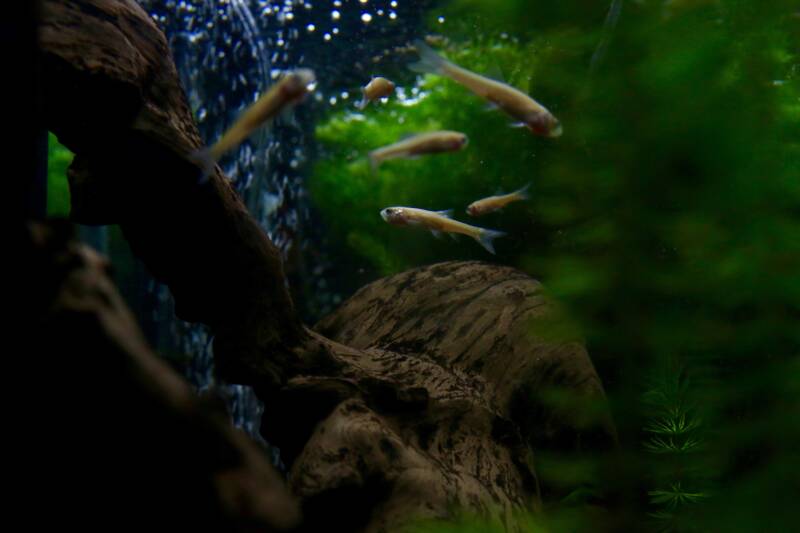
(58, 159)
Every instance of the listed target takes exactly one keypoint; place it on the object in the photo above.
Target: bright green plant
(58, 159)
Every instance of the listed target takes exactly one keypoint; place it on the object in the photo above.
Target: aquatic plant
(676, 439)
(349, 195)
(58, 159)
(665, 220)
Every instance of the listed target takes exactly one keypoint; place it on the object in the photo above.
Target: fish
(435, 142)
(288, 91)
(497, 202)
(524, 110)
(438, 222)
(375, 89)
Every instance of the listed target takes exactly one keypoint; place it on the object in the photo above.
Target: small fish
(375, 89)
(288, 91)
(495, 203)
(526, 111)
(439, 222)
(426, 143)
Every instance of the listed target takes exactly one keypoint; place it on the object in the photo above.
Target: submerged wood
(132, 446)
(424, 394)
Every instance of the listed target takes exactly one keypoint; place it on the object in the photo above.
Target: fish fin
(362, 105)
(518, 125)
(447, 213)
(436, 233)
(486, 239)
(286, 116)
(495, 73)
(205, 160)
(612, 18)
(429, 61)
(523, 193)
(374, 162)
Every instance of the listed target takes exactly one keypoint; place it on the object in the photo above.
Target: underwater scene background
(665, 220)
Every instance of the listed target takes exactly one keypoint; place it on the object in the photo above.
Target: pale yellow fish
(288, 91)
(375, 89)
(526, 111)
(438, 222)
(495, 203)
(435, 142)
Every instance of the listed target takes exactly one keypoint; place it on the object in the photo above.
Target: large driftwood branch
(113, 97)
(428, 394)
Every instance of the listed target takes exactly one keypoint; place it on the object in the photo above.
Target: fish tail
(524, 192)
(486, 239)
(429, 61)
(362, 105)
(206, 161)
(375, 161)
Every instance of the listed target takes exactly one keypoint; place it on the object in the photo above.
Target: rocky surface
(424, 395)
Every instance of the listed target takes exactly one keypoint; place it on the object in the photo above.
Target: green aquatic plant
(58, 159)
(665, 220)
(676, 439)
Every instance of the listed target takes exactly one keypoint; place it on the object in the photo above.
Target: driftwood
(147, 448)
(426, 393)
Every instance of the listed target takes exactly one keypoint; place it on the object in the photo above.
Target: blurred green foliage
(58, 159)
(666, 220)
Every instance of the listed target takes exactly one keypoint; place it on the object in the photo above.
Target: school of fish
(292, 88)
